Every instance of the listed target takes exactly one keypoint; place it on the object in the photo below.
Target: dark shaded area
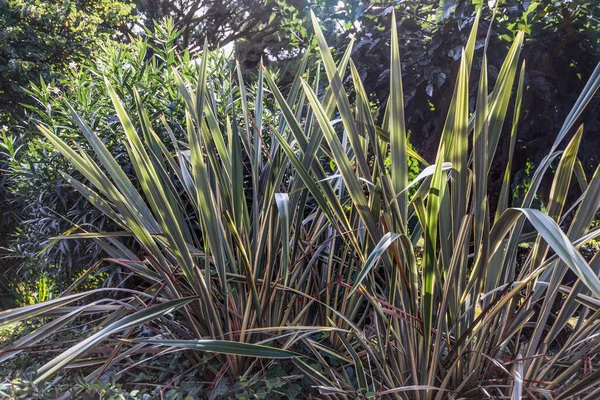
(559, 60)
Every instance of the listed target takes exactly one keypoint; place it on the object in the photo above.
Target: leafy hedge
(44, 204)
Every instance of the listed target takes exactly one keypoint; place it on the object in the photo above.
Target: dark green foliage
(39, 38)
(561, 48)
(48, 207)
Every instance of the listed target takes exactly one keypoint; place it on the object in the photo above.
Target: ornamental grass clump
(251, 250)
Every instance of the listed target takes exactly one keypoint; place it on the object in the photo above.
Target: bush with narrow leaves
(250, 253)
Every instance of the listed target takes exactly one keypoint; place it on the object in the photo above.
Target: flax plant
(253, 251)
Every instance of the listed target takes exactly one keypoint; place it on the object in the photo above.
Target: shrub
(249, 252)
(40, 38)
(47, 206)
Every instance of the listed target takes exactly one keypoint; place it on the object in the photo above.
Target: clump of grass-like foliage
(250, 249)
